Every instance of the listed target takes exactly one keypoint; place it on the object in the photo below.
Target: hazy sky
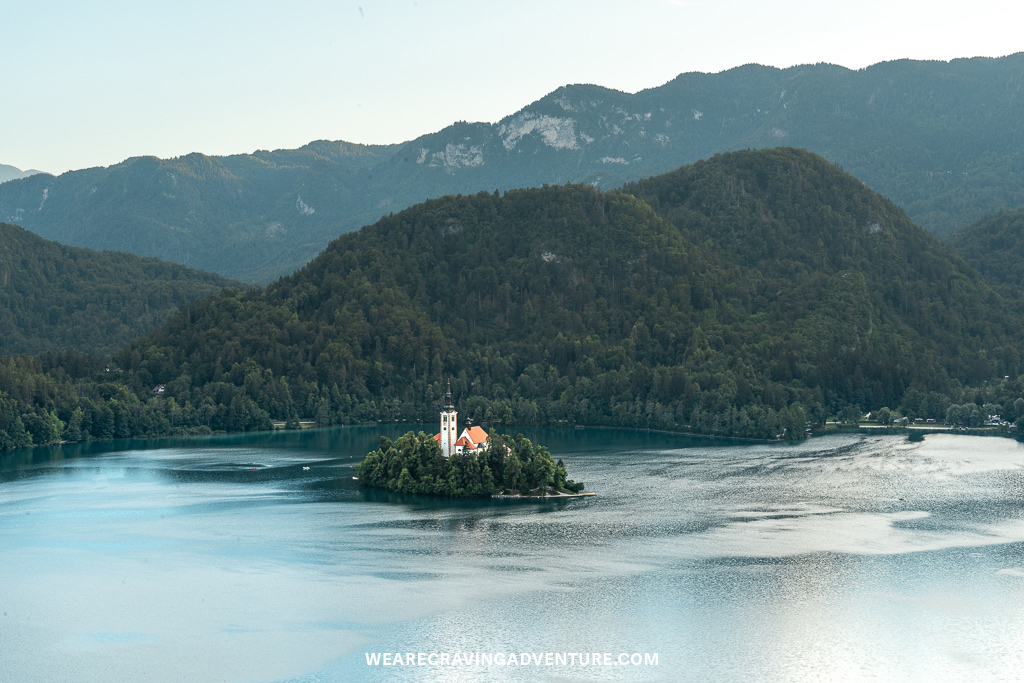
(92, 83)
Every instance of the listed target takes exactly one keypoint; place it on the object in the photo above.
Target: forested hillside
(942, 140)
(851, 292)
(995, 247)
(54, 297)
(250, 216)
(745, 295)
(772, 289)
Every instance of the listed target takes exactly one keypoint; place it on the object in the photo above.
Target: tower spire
(448, 405)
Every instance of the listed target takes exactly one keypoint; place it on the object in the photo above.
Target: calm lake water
(842, 558)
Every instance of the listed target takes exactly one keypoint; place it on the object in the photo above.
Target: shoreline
(916, 431)
(552, 496)
(851, 429)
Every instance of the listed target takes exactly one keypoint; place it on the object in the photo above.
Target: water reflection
(840, 558)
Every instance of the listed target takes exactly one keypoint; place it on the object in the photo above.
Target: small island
(474, 465)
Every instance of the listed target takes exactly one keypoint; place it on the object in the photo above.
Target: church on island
(471, 438)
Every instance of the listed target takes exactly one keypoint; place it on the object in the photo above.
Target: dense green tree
(995, 246)
(59, 298)
(850, 414)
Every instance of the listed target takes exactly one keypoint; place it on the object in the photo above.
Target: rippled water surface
(842, 558)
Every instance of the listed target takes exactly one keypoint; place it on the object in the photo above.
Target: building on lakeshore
(471, 438)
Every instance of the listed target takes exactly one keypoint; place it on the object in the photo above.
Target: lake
(844, 557)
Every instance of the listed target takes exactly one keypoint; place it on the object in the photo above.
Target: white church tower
(449, 432)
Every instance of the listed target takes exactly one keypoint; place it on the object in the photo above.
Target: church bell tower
(449, 431)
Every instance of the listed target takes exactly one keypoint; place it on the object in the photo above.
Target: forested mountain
(942, 140)
(54, 297)
(995, 246)
(13, 173)
(732, 295)
(232, 215)
(744, 295)
(839, 271)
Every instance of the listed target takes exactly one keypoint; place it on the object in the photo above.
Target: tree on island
(414, 463)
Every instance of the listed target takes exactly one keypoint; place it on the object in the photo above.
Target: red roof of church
(478, 434)
(477, 437)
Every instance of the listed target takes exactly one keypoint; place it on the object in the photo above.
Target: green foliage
(414, 464)
(748, 295)
(69, 397)
(995, 246)
(849, 415)
(54, 297)
(883, 416)
(12, 428)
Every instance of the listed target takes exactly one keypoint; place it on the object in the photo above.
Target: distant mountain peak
(14, 173)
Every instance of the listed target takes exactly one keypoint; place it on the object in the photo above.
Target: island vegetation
(504, 466)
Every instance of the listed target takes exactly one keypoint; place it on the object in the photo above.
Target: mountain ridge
(909, 129)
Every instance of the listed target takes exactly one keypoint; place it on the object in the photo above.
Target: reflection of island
(474, 464)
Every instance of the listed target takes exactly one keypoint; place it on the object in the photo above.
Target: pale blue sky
(92, 83)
